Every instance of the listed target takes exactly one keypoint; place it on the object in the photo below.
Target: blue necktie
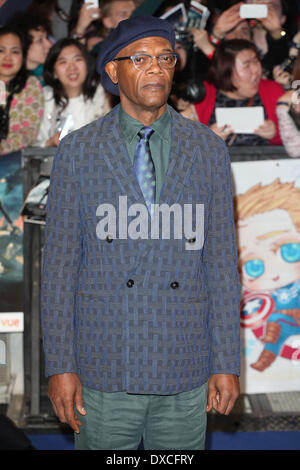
(144, 167)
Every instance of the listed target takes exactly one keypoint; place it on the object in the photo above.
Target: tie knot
(145, 133)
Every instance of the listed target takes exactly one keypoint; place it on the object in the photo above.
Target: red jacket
(269, 92)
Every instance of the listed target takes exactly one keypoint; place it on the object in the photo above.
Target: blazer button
(192, 240)
(130, 283)
(174, 285)
(109, 239)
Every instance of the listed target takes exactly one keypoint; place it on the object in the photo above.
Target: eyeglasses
(144, 61)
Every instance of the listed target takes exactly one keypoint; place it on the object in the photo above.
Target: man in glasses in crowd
(141, 332)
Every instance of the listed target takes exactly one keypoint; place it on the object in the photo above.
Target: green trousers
(118, 421)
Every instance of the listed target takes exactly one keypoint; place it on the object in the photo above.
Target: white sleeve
(46, 126)
(101, 102)
(289, 133)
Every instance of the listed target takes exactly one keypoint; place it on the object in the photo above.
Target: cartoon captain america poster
(267, 208)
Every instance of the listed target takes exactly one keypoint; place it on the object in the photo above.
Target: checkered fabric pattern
(177, 321)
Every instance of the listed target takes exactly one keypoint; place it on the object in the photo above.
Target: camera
(191, 90)
(295, 44)
(287, 64)
(183, 36)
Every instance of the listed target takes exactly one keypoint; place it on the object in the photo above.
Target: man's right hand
(65, 391)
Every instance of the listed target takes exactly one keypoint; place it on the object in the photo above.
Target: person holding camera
(283, 73)
(266, 33)
(190, 71)
(269, 36)
(73, 93)
(288, 113)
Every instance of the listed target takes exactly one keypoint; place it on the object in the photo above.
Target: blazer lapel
(180, 161)
(114, 152)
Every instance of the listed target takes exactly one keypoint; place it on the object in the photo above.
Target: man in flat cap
(140, 289)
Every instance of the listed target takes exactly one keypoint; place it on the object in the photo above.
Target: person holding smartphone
(111, 12)
(73, 91)
(89, 11)
(269, 36)
(265, 32)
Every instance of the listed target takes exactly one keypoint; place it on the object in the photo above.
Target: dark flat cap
(125, 33)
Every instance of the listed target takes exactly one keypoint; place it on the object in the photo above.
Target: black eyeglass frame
(132, 57)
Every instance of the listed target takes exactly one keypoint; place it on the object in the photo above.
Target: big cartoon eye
(290, 252)
(254, 268)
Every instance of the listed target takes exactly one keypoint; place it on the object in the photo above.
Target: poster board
(11, 233)
(267, 203)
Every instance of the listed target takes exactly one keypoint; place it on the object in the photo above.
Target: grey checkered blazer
(145, 316)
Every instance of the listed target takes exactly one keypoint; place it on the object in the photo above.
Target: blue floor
(265, 440)
(271, 440)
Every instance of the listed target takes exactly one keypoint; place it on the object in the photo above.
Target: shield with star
(255, 309)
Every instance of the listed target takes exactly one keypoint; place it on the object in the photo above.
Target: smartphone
(67, 126)
(176, 15)
(94, 2)
(198, 15)
(254, 11)
(95, 5)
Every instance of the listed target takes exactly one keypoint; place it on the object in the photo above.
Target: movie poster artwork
(267, 208)
(11, 233)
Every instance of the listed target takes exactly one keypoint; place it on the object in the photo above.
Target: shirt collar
(131, 127)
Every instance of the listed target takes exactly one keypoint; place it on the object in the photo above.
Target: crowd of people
(49, 85)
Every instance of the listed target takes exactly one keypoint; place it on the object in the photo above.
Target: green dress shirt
(160, 143)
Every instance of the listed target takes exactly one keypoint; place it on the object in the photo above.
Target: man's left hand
(223, 390)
